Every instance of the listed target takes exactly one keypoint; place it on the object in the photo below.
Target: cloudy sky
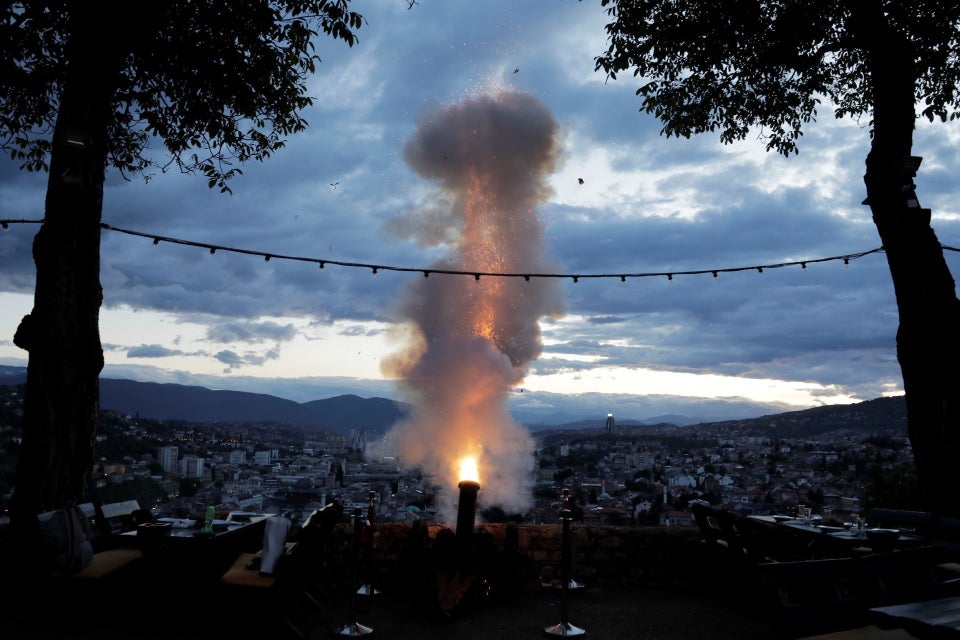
(621, 199)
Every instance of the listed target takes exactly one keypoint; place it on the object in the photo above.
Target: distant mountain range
(342, 413)
(12, 376)
(198, 404)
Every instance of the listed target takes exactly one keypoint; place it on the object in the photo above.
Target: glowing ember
(468, 469)
(468, 342)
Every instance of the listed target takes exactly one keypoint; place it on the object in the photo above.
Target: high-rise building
(168, 456)
(358, 439)
(192, 466)
(609, 427)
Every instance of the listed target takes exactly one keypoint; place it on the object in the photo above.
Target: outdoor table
(185, 554)
(837, 540)
(924, 619)
(880, 542)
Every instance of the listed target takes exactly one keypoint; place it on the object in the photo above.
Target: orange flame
(482, 251)
(469, 470)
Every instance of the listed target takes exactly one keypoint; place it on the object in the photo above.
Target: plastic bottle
(208, 519)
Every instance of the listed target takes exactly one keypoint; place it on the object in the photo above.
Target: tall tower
(167, 457)
(609, 427)
(359, 439)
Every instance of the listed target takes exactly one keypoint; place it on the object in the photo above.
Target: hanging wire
(267, 256)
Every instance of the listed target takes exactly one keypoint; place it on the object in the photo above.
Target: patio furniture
(938, 618)
(770, 540)
(906, 575)
(718, 528)
(813, 596)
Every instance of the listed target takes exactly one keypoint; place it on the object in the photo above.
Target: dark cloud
(606, 320)
(152, 351)
(235, 360)
(648, 204)
(252, 332)
(230, 358)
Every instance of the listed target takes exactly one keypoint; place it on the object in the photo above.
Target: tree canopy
(215, 82)
(762, 64)
(732, 66)
(90, 86)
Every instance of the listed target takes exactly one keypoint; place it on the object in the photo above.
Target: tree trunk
(61, 333)
(928, 344)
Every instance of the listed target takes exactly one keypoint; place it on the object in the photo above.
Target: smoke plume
(468, 343)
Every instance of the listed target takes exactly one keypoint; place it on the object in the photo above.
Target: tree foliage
(767, 64)
(214, 82)
(731, 67)
(90, 86)
(894, 488)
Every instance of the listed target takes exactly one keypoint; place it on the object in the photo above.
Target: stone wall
(650, 556)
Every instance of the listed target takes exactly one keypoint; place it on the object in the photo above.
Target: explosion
(469, 341)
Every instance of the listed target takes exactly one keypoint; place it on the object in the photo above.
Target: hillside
(158, 401)
(880, 414)
(872, 416)
(198, 404)
(342, 413)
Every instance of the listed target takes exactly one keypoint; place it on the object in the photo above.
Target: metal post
(354, 628)
(367, 588)
(569, 582)
(564, 628)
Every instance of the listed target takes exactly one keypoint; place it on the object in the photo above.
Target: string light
(526, 276)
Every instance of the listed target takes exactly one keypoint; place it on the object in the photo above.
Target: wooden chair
(107, 563)
(104, 562)
(706, 519)
(719, 527)
(773, 542)
(277, 595)
(106, 578)
(290, 595)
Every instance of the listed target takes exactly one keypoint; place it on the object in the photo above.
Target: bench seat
(106, 563)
